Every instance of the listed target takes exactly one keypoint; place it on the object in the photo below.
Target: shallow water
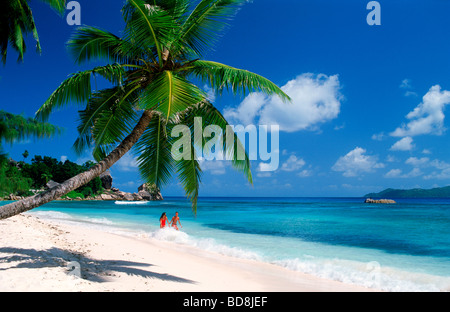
(401, 247)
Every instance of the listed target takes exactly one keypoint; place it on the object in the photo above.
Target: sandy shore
(38, 255)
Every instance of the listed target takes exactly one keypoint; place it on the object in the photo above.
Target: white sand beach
(38, 255)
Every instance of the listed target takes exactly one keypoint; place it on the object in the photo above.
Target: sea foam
(370, 275)
(208, 244)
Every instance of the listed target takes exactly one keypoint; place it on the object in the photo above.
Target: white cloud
(378, 136)
(391, 159)
(404, 144)
(293, 164)
(210, 93)
(315, 100)
(63, 158)
(305, 173)
(406, 85)
(442, 175)
(425, 162)
(428, 116)
(441, 168)
(215, 167)
(356, 162)
(247, 111)
(394, 173)
(127, 163)
(414, 161)
(397, 173)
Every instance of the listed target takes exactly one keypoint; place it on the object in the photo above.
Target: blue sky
(369, 102)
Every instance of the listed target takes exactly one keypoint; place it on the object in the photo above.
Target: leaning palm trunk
(81, 179)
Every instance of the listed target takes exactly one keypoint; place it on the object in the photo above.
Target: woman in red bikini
(163, 220)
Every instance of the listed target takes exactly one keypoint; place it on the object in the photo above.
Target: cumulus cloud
(397, 173)
(215, 167)
(293, 164)
(404, 144)
(422, 166)
(356, 162)
(315, 99)
(428, 116)
(127, 163)
(406, 85)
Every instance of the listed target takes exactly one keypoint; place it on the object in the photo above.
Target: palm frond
(77, 88)
(17, 128)
(240, 81)
(148, 26)
(176, 8)
(58, 5)
(155, 157)
(170, 94)
(90, 43)
(16, 22)
(210, 115)
(209, 18)
(189, 174)
(107, 119)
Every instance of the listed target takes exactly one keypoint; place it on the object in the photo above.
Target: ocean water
(401, 247)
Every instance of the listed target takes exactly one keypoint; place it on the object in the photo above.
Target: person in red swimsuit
(163, 220)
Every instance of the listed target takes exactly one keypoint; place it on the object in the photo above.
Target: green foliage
(17, 127)
(16, 21)
(43, 169)
(12, 181)
(73, 195)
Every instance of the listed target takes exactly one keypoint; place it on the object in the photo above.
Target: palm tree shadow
(78, 264)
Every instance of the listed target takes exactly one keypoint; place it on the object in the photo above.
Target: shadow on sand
(78, 264)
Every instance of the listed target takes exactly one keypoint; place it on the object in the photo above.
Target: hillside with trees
(439, 192)
(21, 178)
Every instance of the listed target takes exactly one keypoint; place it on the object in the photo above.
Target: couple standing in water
(163, 220)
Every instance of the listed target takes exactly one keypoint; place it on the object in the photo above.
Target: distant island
(439, 192)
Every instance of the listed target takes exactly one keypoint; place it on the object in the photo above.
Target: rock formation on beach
(107, 179)
(144, 193)
(379, 201)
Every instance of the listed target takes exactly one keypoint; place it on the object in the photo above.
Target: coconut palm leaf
(105, 122)
(92, 44)
(154, 149)
(189, 174)
(58, 5)
(240, 81)
(77, 88)
(16, 21)
(209, 18)
(210, 115)
(170, 94)
(148, 26)
(17, 127)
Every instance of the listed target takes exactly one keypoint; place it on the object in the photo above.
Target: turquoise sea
(400, 247)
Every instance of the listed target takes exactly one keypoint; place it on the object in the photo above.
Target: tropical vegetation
(19, 178)
(17, 21)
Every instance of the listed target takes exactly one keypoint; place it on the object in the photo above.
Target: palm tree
(16, 21)
(15, 128)
(150, 71)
